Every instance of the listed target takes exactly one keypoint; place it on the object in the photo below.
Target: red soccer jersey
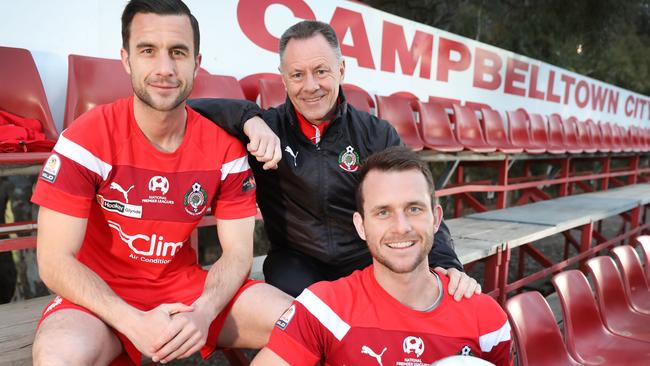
(354, 321)
(142, 204)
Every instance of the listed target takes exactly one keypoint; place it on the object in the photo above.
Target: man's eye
(414, 209)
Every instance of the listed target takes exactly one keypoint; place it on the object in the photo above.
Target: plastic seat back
(596, 136)
(571, 136)
(359, 98)
(495, 132)
(519, 132)
(585, 140)
(537, 335)
(93, 81)
(251, 84)
(623, 137)
(605, 131)
(539, 132)
(468, 130)
(556, 143)
(272, 93)
(644, 241)
(635, 281)
(21, 90)
(435, 128)
(216, 86)
(397, 111)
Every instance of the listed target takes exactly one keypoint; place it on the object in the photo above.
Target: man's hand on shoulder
(186, 334)
(145, 330)
(460, 284)
(264, 144)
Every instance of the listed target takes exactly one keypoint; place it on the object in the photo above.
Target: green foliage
(608, 40)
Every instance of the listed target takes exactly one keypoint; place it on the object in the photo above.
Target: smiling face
(311, 73)
(161, 60)
(398, 224)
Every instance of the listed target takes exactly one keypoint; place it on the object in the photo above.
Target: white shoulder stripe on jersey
(80, 155)
(487, 341)
(324, 314)
(235, 166)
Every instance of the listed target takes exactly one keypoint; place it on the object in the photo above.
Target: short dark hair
(159, 7)
(394, 159)
(307, 29)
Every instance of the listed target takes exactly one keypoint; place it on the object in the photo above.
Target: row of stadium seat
(614, 329)
(443, 128)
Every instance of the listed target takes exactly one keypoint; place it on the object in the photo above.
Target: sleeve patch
(248, 184)
(51, 168)
(286, 317)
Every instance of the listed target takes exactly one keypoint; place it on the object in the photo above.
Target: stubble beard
(142, 94)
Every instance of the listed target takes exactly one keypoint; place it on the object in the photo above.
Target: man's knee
(74, 338)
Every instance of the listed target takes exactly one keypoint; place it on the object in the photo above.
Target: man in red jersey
(396, 311)
(120, 195)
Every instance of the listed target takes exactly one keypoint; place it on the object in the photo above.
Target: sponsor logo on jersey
(349, 160)
(249, 184)
(158, 184)
(286, 317)
(413, 344)
(365, 350)
(125, 192)
(195, 200)
(51, 168)
(123, 209)
(144, 247)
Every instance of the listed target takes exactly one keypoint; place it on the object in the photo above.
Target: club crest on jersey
(349, 160)
(413, 344)
(195, 200)
(285, 319)
(51, 168)
(465, 351)
(249, 184)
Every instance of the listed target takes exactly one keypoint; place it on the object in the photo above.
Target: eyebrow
(179, 46)
(410, 203)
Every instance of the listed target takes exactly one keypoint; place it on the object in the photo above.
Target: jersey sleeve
(69, 178)
(235, 198)
(495, 334)
(296, 337)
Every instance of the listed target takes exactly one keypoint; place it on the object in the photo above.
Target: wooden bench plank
(17, 327)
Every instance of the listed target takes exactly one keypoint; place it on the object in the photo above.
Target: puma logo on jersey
(156, 242)
(119, 188)
(365, 350)
(295, 156)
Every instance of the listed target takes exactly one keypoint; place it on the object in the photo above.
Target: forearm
(74, 281)
(229, 114)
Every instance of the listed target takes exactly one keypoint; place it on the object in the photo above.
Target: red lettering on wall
(532, 88)
(642, 103)
(393, 42)
(568, 81)
(250, 15)
(513, 76)
(445, 63)
(344, 20)
(629, 111)
(487, 64)
(582, 86)
(549, 88)
(612, 102)
(598, 97)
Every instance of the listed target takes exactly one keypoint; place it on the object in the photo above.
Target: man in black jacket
(307, 199)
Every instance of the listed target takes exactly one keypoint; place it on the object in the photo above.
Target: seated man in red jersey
(120, 195)
(394, 312)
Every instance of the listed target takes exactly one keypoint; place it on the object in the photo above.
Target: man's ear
(358, 224)
(342, 69)
(437, 216)
(197, 62)
(124, 56)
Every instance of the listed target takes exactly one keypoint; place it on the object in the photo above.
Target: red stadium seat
(645, 245)
(520, 133)
(585, 140)
(216, 86)
(556, 143)
(623, 138)
(537, 336)
(598, 136)
(93, 81)
(539, 133)
(272, 93)
(608, 137)
(636, 284)
(435, 128)
(571, 136)
(21, 92)
(397, 111)
(251, 84)
(634, 136)
(615, 309)
(358, 97)
(587, 338)
(468, 130)
(495, 132)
